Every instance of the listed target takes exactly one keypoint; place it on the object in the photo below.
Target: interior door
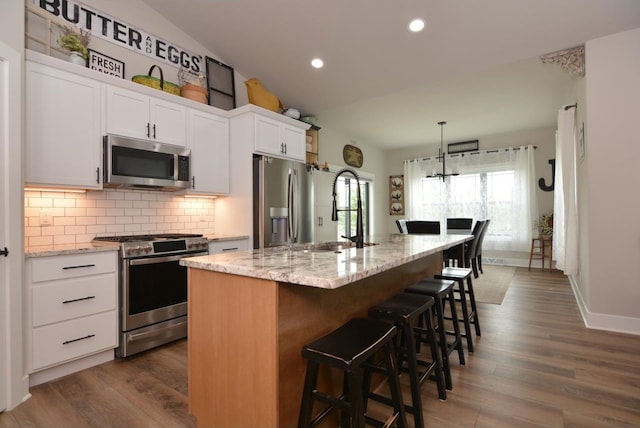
(3, 290)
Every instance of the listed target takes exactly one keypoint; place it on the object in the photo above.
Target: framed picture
(396, 195)
(105, 64)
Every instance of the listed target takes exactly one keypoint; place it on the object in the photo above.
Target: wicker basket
(154, 82)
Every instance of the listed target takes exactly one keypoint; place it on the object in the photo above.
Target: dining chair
(459, 225)
(423, 227)
(478, 252)
(469, 248)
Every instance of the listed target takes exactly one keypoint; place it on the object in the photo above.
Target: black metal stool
(350, 348)
(441, 290)
(405, 310)
(460, 275)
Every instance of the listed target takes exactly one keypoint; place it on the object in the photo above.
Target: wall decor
(396, 195)
(118, 32)
(465, 146)
(352, 156)
(105, 64)
(541, 182)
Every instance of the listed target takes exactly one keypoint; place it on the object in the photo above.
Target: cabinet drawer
(71, 266)
(228, 246)
(65, 300)
(57, 343)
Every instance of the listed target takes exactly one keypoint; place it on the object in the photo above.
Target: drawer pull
(66, 342)
(78, 300)
(78, 267)
(230, 249)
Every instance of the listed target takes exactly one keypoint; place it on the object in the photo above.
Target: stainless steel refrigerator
(282, 202)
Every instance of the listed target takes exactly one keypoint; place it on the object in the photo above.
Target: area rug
(492, 285)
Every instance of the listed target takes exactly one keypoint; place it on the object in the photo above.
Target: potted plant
(544, 224)
(76, 42)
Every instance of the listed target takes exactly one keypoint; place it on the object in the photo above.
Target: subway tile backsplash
(53, 218)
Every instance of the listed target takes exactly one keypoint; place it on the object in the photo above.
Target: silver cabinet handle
(230, 249)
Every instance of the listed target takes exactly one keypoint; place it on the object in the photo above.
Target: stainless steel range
(153, 287)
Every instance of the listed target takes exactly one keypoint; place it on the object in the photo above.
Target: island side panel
(232, 350)
(306, 313)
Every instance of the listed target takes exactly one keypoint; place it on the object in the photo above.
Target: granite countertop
(88, 247)
(64, 249)
(326, 269)
(220, 238)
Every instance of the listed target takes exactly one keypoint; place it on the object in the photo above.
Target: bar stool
(441, 290)
(460, 275)
(349, 349)
(405, 310)
(539, 250)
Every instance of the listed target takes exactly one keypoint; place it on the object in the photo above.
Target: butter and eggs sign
(113, 30)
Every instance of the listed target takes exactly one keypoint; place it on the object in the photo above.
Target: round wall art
(352, 156)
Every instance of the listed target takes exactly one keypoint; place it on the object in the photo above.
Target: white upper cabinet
(63, 143)
(208, 139)
(279, 139)
(133, 114)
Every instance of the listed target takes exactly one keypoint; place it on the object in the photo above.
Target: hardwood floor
(535, 365)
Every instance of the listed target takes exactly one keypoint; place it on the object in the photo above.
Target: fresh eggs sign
(122, 34)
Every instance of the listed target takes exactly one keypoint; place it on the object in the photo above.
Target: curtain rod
(472, 153)
(571, 106)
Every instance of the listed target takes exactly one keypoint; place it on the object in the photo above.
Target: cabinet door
(267, 137)
(209, 143)
(127, 113)
(168, 122)
(63, 137)
(294, 140)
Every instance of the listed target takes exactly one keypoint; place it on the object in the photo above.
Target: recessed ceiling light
(317, 63)
(416, 25)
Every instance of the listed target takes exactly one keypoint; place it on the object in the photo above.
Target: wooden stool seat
(407, 311)
(441, 290)
(541, 249)
(469, 316)
(349, 349)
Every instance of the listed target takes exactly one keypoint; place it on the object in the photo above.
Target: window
(497, 185)
(347, 198)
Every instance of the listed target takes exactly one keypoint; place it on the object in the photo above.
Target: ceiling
(476, 65)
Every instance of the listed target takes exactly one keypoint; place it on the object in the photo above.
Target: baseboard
(606, 322)
(71, 367)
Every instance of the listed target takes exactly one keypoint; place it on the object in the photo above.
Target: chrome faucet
(359, 237)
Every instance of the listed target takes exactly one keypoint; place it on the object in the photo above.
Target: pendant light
(442, 156)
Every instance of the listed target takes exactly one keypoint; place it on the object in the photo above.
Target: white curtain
(498, 184)
(565, 198)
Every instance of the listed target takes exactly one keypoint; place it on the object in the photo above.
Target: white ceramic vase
(76, 58)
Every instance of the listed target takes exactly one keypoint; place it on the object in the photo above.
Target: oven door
(153, 289)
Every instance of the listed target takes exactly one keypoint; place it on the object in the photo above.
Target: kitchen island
(251, 312)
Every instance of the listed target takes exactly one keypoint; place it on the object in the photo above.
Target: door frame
(15, 387)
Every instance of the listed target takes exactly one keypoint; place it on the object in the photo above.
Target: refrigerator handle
(291, 205)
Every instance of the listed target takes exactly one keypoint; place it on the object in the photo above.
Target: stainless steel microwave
(142, 164)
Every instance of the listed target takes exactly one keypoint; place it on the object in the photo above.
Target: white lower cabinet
(217, 247)
(72, 307)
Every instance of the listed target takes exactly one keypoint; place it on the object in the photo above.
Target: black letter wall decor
(541, 182)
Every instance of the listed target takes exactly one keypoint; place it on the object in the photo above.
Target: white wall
(330, 148)
(611, 180)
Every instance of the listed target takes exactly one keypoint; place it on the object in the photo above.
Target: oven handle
(139, 336)
(154, 260)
